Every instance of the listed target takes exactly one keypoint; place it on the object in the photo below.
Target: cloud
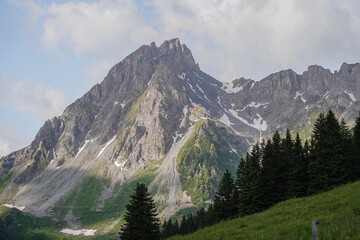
(97, 70)
(11, 140)
(38, 100)
(229, 38)
(96, 27)
(257, 37)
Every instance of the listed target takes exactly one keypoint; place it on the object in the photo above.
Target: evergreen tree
(141, 217)
(336, 152)
(226, 198)
(327, 162)
(348, 163)
(248, 174)
(272, 175)
(286, 167)
(183, 226)
(300, 176)
(355, 172)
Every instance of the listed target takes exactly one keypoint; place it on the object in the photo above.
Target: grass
(20, 225)
(3, 182)
(337, 211)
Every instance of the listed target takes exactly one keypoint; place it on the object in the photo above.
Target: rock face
(153, 119)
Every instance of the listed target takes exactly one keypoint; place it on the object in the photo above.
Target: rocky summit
(157, 118)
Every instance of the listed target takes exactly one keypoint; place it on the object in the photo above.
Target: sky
(52, 52)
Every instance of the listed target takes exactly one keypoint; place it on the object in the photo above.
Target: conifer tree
(267, 176)
(300, 176)
(327, 162)
(141, 217)
(346, 150)
(271, 177)
(248, 174)
(226, 198)
(355, 173)
(286, 167)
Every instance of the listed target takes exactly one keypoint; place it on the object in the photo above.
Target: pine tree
(355, 172)
(226, 198)
(272, 185)
(247, 182)
(300, 176)
(335, 152)
(141, 217)
(346, 150)
(327, 162)
(286, 167)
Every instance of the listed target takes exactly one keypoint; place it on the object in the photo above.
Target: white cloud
(97, 70)
(229, 38)
(255, 38)
(11, 140)
(96, 27)
(38, 100)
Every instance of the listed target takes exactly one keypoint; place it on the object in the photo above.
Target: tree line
(278, 169)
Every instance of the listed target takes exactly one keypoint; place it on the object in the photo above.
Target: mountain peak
(174, 49)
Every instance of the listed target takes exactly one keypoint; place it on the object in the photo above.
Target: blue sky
(52, 52)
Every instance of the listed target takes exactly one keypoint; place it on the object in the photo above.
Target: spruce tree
(327, 156)
(141, 218)
(300, 176)
(248, 174)
(226, 198)
(273, 189)
(286, 167)
(355, 173)
(317, 163)
(267, 176)
(348, 163)
(335, 152)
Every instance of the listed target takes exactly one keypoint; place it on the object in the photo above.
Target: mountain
(157, 118)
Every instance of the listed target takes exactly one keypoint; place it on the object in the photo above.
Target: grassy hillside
(337, 211)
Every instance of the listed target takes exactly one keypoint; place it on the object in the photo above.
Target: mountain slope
(157, 118)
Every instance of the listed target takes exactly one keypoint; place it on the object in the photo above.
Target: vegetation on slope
(202, 161)
(337, 211)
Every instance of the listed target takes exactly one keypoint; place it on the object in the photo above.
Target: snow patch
(255, 105)
(259, 123)
(252, 85)
(225, 119)
(233, 150)
(185, 110)
(229, 88)
(54, 153)
(191, 87)
(351, 96)
(202, 91)
(326, 95)
(152, 77)
(116, 103)
(107, 144)
(192, 103)
(85, 232)
(182, 76)
(14, 206)
(177, 134)
(122, 104)
(300, 95)
(82, 148)
(120, 165)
